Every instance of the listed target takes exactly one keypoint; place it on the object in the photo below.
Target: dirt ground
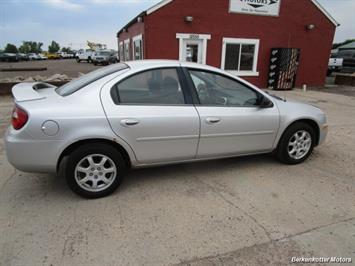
(67, 67)
(241, 211)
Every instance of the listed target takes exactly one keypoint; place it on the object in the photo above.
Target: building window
(126, 50)
(121, 51)
(137, 46)
(240, 56)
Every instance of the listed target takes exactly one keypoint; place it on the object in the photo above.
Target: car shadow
(53, 186)
(154, 175)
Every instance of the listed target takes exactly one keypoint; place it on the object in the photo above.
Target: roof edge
(158, 6)
(134, 20)
(326, 13)
(149, 11)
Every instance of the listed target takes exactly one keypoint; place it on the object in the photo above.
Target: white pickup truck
(335, 65)
(84, 55)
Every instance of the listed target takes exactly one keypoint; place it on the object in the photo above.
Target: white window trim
(256, 42)
(186, 36)
(134, 39)
(124, 50)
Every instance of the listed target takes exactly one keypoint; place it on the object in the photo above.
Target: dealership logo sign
(255, 7)
(259, 3)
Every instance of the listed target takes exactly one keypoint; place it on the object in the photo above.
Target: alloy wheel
(299, 144)
(95, 172)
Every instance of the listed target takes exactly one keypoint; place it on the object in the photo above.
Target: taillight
(19, 118)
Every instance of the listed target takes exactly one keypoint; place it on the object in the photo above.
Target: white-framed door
(193, 47)
(193, 51)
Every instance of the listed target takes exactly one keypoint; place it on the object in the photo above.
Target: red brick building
(235, 35)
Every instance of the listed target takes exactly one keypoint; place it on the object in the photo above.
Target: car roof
(152, 63)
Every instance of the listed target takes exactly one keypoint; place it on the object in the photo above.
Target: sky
(73, 22)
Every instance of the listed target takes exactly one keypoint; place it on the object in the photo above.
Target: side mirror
(264, 102)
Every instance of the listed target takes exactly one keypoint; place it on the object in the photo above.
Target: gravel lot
(242, 211)
(68, 67)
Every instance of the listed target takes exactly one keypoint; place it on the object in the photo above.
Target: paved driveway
(252, 211)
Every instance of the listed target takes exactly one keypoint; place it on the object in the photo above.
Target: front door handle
(213, 120)
(129, 122)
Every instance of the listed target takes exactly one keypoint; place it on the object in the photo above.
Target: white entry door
(192, 51)
(193, 47)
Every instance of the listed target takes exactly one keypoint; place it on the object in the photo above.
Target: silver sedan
(147, 113)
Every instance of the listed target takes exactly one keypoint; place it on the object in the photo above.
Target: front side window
(214, 89)
(152, 87)
(240, 55)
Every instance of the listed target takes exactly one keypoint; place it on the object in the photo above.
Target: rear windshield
(91, 77)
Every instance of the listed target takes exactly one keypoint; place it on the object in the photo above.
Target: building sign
(255, 7)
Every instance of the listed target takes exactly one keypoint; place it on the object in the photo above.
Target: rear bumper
(31, 155)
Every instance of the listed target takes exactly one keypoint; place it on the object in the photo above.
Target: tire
(293, 151)
(78, 60)
(89, 60)
(95, 64)
(95, 173)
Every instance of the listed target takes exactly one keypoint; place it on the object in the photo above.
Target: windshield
(85, 80)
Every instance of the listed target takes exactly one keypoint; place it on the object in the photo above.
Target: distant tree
(66, 50)
(10, 48)
(24, 48)
(53, 47)
(31, 47)
(336, 45)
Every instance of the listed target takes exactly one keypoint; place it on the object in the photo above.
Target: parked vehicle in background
(348, 57)
(8, 57)
(84, 55)
(104, 57)
(335, 65)
(22, 57)
(42, 57)
(348, 60)
(34, 56)
(64, 55)
(152, 112)
(52, 56)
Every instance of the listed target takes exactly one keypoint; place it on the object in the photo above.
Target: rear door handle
(213, 120)
(129, 122)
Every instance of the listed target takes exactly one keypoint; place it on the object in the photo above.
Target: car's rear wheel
(95, 170)
(296, 144)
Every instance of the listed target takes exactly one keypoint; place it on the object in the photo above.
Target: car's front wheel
(296, 144)
(95, 170)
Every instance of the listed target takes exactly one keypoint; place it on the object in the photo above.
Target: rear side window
(91, 77)
(152, 87)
